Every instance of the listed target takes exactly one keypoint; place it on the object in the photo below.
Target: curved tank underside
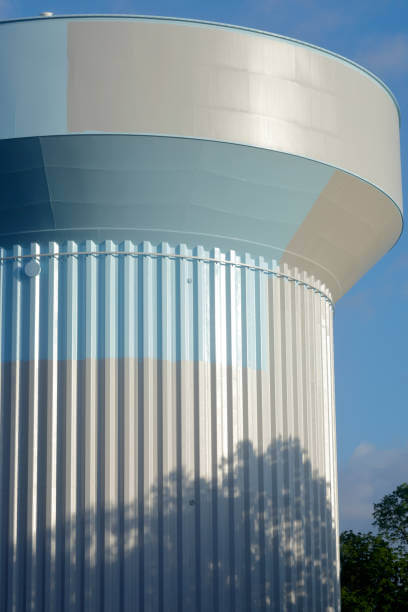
(287, 208)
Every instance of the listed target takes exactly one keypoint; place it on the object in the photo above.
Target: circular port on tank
(32, 268)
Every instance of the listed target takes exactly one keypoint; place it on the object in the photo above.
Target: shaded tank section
(280, 206)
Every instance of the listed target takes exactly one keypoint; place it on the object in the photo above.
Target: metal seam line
(247, 266)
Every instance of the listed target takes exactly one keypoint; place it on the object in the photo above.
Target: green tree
(374, 568)
(391, 517)
(371, 574)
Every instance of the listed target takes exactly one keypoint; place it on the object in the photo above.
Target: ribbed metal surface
(167, 432)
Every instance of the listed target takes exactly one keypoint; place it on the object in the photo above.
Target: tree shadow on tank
(261, 534)
(258, 535)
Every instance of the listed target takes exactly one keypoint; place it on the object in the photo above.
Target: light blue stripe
(160, 188)
(249, 352)
(129, 300)
(149, 301)
(118, 305)
(33, 74)
(89, 282)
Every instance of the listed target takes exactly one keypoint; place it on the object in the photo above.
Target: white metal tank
(181, 204)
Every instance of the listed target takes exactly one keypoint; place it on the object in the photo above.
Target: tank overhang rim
(221, 25)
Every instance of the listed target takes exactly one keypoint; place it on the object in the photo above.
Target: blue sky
(371, 327)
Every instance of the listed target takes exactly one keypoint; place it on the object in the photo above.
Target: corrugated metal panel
(167, 432)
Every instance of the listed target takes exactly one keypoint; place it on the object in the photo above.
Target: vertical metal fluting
(167, 431)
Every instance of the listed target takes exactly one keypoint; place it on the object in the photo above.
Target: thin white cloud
(5, 9)
(370, 474)
(387, 56)
(118, 6)
(303, 19)
(361, 302)
(327, 21)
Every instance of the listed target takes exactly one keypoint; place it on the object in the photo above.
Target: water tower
(181, 204)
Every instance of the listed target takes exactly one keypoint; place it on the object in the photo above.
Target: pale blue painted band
(31, 59)
(157, 188)
(137, 301)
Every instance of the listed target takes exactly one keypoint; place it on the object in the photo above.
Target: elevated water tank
(181, 204)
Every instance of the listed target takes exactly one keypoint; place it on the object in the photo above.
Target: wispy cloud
(387, 56)
(327, 21)
(6, 9)
(121, 6)
(305, 19)
(370, 474)
(360, 302)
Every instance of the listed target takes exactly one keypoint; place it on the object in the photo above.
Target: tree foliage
(372, 574)
(391, 517)
(374, 568)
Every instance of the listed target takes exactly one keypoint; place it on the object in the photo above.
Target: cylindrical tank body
(181, 204)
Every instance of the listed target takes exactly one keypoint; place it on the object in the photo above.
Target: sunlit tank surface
(181, 204)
